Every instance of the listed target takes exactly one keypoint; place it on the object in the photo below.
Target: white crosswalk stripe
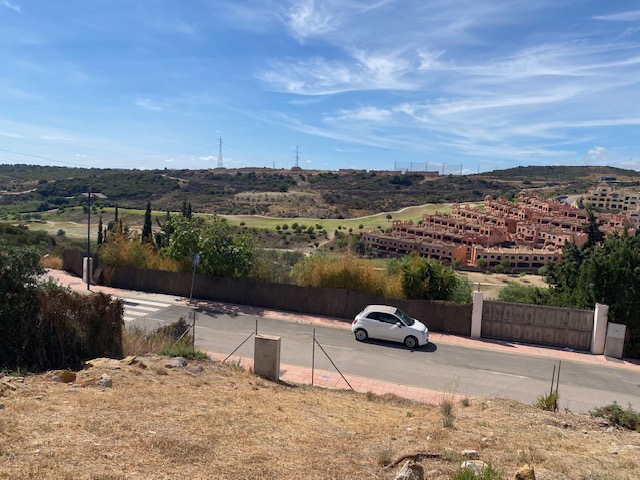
(134, 308)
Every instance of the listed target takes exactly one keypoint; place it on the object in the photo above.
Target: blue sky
(474, 85)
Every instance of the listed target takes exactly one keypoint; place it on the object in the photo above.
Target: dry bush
(123, 250)
(51, 261)
(346, 272)
(72, 327)
(138, 341)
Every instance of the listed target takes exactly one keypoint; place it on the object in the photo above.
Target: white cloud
(56, 138)
(148, 104)
(308, 18)
(11, 135)
(13, 7)
(628, 16)
(598, 154)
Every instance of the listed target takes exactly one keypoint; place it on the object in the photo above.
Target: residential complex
(529, 233)
(608, 197)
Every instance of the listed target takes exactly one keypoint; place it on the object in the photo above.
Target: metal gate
(558, 327)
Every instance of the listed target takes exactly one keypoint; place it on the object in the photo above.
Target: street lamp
(88, 262)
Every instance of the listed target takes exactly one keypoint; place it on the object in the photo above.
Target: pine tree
(100, 237)
(146, 229)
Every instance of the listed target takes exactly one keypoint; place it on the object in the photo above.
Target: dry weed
(222, 422)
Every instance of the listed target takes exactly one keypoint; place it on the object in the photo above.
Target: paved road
(443, 367)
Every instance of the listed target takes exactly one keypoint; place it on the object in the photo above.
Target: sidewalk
(295, 374)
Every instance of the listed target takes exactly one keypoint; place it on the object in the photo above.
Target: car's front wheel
(411, 342)
(361, 335)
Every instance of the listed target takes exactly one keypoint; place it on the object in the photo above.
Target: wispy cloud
(11, 135)
(148, 104)
(12, 6)
(628, 16)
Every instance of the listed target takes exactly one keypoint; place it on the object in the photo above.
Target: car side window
(373, 316)
(388, 318)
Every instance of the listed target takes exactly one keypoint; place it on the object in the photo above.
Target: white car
(389, 323)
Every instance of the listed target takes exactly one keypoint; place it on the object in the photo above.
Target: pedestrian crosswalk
(136, 309)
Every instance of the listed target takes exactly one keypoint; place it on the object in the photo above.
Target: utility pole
(220, 154)
(89, 242)
(297, 156)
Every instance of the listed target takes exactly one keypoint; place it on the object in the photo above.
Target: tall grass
(346, 272)
(122, 250)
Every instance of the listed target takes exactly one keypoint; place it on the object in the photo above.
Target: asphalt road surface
(441, 367)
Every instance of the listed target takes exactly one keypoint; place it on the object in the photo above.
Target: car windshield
(406, 319)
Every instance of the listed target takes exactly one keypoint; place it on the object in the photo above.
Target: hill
(212, 420)
(280, 193)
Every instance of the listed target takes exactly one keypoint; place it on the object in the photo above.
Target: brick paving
(301, 375)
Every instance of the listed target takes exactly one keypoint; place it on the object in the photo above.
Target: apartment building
(608, 197)
(529, 233)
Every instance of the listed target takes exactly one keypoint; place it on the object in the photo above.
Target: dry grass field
(216, 421)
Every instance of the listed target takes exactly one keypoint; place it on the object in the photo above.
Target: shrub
(487, 473)
(72, 328)
(345, 272)
(615, 414)
(548, 402)
(528, 294)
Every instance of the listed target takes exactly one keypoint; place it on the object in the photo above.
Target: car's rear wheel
(361, 335)
(411, 342)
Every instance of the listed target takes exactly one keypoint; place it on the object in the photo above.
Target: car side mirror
(399, 324)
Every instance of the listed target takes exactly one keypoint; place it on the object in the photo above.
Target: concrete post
(87, 270)
(266, 357)
(600, 319)
(476, 315)
(615, 340)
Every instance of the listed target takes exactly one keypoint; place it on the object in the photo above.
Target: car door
(390, 329)
(374, 326)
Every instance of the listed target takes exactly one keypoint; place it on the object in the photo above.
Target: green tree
(186, 209)
(426, 278)
(592, 229)
(223, 251)
(19, 271)
(146, 228)
(389, 217)
(100, 234)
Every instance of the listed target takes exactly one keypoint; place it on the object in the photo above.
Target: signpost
(196, 262)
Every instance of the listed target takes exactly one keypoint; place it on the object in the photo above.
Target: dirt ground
(491, 283)
(216, 421)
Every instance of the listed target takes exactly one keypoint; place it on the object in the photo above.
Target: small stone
(521, 454)
(1, 406)
(429, 437)
(56, 378)
(470, 454)
(475, 465)
(525, 472)
(411, 471)
(105, 381)
(129, 360)
(177, 362)
(64, 376)
(614, 452)
(610, 429)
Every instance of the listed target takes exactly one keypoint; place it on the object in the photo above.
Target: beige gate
(558, 327)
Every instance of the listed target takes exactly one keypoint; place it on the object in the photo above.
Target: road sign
(196, 259)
